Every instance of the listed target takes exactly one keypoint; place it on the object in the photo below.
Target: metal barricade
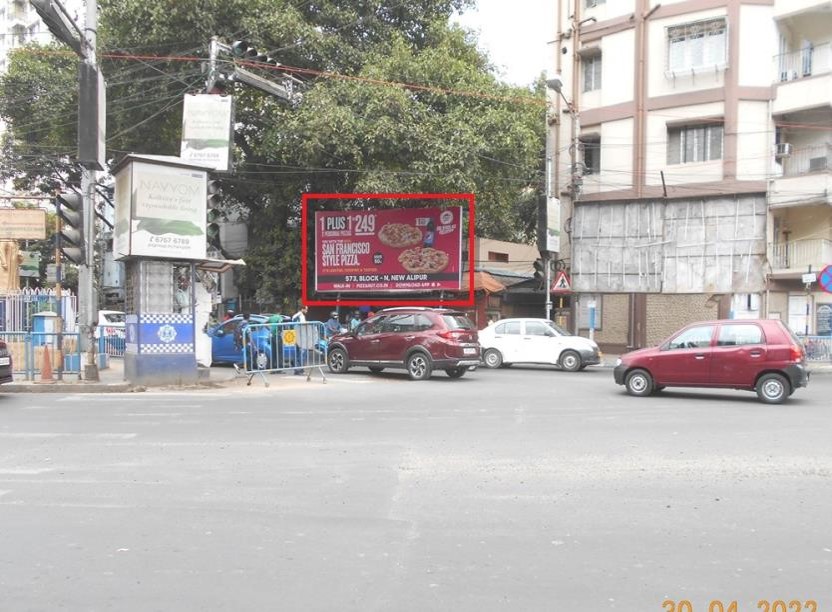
(283, 347)
(30, 350)
(818, 348)
(109, 343)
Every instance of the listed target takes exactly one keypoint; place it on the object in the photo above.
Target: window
(492, 256)
(694, 143)
(512, 328)
(695, 337)
(696, 46)
(592, 72)
(592, 154)
(536, 328)
(458, 322)
(370, 326)
(739, 335)
(398, 323)
(594, 3)
(423, 323)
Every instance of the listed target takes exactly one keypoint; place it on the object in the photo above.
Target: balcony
(785, 9)
(803, 79)
(806, 176)
(797, 255)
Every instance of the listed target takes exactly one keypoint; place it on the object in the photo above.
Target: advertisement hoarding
(160, 211)
(396, 249)
(207, 130)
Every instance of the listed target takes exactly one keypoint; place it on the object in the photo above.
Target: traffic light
(539, 275)
(245, 50)
(212, 227)
(70, 207)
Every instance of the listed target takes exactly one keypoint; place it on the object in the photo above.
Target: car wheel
(456, 372)
(639, 383)
(773, 388)
(492, 358)
(418, 366)
(261, 361)
(376, 369)
(570, 361)
(338, 361)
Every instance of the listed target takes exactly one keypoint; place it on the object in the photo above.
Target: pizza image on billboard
(388, 249)
(400, 235)
(424, 260)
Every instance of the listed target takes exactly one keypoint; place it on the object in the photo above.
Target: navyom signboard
(401, 249)
(160, 211)
(22, 224)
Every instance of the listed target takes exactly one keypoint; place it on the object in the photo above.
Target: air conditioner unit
(782, 149)
(818, 164)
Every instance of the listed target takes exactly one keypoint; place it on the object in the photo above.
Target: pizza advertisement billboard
(388, 249)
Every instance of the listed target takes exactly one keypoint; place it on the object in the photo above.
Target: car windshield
(114, 317)
(558, 328)
(457, 321)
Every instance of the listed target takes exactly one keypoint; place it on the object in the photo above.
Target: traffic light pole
(88, 302)
(547, 271)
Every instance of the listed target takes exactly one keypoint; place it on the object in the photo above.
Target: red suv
(416, 339)
(761, 355)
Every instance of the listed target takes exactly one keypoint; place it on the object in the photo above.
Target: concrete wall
(755, 141)
(667, 313)
(757, 32)
(609, 10)
(616, 157)
(614, 320)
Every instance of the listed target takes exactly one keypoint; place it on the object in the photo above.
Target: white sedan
(536, 341)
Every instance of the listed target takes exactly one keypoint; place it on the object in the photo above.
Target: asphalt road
(517, 489)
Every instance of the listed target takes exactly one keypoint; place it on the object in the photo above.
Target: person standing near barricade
(300, 353)
(355, 321)
(332, 326)
(240, 341)
(275, 332)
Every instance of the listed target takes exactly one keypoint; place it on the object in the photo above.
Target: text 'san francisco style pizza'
(423, 260)
(399, 235)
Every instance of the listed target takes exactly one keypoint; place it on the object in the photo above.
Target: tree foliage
(395, 100)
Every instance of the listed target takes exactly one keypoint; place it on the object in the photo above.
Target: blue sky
(514, 33)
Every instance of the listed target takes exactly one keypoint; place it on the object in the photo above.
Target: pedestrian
(240, 341)
(275, 332)
(182, 296)
(332, 326)
(300, 353)
(491, 321)
(355, 321)
(229, 314)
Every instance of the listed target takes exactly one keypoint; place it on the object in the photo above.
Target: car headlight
(618, 362)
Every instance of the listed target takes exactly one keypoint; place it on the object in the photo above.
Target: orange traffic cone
(46, 368)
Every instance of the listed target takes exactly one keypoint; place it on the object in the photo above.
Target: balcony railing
(809, 61)
(799, 254)
(805, 160)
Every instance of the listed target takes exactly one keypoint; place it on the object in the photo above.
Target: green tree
(395, 99)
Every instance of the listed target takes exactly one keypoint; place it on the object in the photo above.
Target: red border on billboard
(306, 197)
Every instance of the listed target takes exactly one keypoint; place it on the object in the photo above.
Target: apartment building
(691, 154)
(20, 24)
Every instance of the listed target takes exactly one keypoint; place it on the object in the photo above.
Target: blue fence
(283, 347)
(111, 344)
(31, 352)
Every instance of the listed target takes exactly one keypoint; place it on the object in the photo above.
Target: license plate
(5, 361)
(469, 351)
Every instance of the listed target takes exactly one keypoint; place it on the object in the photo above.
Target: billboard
(397, 249)
(22, 224)
(160, 210)
(207, 130)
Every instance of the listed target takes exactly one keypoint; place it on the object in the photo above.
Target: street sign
(51, 273)
(561, 284)
(825, 279)
(22, 224)
(810, 278)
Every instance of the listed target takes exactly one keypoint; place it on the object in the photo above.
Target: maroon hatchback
(759, 355)
(419, 340)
